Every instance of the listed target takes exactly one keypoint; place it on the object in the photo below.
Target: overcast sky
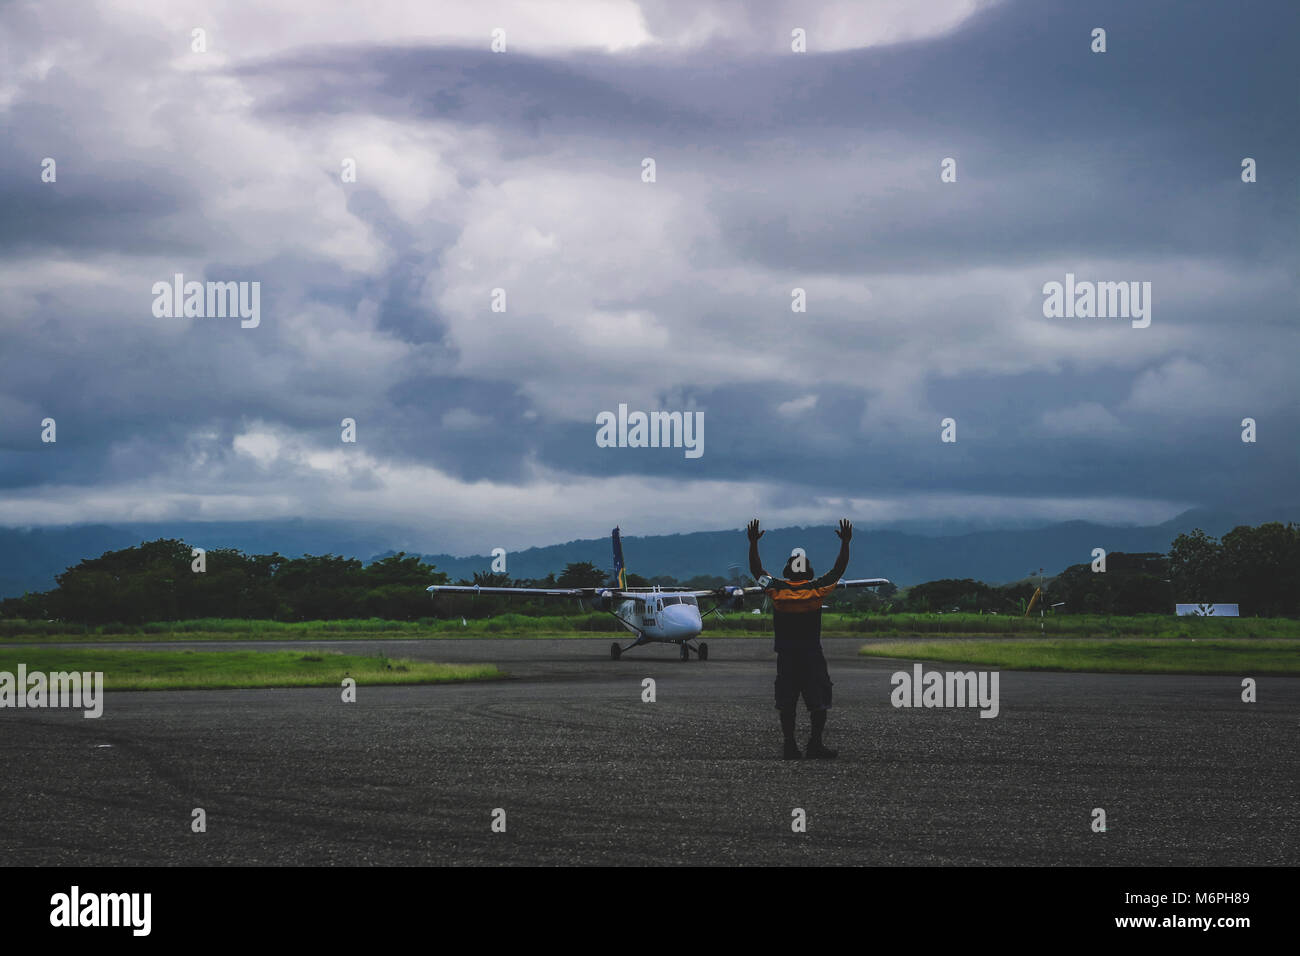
(522, 170)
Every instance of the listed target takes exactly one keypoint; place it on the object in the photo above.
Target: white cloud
(1082, 419)
(462, 419)
(797, 406)
(262, 447)
(1183, 386)
(765, 27)
(255, 28)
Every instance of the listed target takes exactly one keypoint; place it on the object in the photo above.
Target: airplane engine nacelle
(735, 599)
(602, 600)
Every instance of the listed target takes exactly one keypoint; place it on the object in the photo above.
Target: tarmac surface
(588, 773)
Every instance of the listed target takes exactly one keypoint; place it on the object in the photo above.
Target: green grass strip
(201, 670)
(1136, 656)
(735, 624)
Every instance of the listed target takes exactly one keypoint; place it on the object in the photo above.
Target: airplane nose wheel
(615, 652)
(686, 651)
(704, 651)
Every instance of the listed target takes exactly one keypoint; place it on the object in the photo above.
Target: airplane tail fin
(620, 571)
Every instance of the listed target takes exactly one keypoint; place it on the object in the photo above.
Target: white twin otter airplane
(655, 615)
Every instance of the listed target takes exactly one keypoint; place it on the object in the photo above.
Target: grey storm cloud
(820, 171)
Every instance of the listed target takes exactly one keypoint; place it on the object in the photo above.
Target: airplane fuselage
(661, 616)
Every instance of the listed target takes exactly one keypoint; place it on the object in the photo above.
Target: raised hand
(845, 531)
(754, 533)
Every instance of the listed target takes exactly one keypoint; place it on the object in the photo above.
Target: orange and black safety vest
(797, 610)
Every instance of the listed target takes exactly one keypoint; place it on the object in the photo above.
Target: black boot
(787, 728)
(815, 746)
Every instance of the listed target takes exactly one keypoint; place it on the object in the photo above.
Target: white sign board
(1207, 610)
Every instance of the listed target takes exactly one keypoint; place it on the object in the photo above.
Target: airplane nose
(682, 620)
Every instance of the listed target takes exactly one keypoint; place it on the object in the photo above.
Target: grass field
(180, 670)
(735, 624)
(1244, 657)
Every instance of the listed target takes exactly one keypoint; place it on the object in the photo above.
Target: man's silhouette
(797, 625)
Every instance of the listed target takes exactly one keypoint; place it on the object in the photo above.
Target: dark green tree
(582, 574)
(1260, 569)
(950, 593)
(1195, 567)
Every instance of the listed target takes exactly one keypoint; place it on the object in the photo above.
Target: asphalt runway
(588, 773)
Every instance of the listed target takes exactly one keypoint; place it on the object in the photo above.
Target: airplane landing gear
(615, 652)
(704, 651)
(686, 651)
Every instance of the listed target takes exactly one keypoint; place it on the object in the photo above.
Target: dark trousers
(802, 671)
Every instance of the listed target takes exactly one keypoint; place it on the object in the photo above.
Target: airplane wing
(610, 592)
(727, 591)
(864, 583)
(536, 592)
(731, 590)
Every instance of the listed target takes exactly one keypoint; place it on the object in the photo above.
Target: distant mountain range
(906, 558)
(30, 558)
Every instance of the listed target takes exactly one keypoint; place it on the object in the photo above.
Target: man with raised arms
(797, 625)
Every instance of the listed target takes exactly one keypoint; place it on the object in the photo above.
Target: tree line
(1257, 568)
(157, 581)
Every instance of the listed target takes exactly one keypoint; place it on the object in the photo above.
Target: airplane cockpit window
(689, 599)
(671, 600)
